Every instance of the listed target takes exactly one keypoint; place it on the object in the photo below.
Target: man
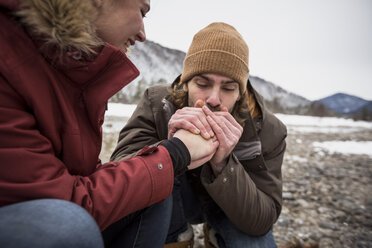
(60, 61)
(238, 192)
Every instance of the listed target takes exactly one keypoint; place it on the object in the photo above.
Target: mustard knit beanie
(220, 49)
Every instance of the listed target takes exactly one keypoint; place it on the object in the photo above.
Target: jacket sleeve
(29, 169)
(251, 209)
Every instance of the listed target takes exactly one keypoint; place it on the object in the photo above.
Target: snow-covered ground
(326, 172)
(120, 110)
(348, 147)
(117, 114)
(312, 124)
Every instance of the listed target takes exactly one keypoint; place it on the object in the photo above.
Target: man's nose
(213, 101)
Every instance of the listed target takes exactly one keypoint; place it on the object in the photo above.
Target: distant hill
(343, 103)
(277, 98)
(159, 65)
(364, 112)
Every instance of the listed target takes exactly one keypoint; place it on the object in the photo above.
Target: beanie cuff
(217, 62)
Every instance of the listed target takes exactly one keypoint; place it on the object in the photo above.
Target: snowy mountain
(159, 65)
(343, 103)
(274, 93)
(156, 62)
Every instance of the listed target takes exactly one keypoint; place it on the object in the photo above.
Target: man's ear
(184, 87)
(239, 97)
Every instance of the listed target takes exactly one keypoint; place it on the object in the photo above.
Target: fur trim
(65, 24)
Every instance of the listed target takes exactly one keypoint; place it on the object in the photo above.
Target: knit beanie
(220, 49)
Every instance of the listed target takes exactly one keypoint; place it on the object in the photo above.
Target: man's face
(120, 22)
(215, 90)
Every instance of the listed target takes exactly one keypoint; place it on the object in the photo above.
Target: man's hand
(201, 150)
(191, 119)
(228, 132)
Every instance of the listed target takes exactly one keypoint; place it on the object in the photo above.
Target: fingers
(230, 118)
(192, 119)
(199, 103)
(224, 109)
(218, 124)
(175, 125)
(227, 130)
(231, 122)
(218, 127)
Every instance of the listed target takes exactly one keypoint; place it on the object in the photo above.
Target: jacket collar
(112, 71)
(9, 4)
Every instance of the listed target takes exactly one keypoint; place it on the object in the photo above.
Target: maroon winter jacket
(51, 113)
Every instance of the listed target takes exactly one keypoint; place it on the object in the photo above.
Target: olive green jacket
(249, 188)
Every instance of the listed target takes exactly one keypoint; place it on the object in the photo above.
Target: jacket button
(224, 180)
(160, 166)
(232, 169)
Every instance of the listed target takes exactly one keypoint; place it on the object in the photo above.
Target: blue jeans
(58, 223)
(45, 223)
(193, 209)
(144, 228)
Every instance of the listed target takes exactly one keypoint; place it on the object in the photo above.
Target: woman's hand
(201, 150)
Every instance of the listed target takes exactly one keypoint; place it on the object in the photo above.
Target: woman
(61, 60)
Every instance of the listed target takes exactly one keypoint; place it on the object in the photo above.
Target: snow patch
(296, 158)
(346, 147)
(120, 110)
(313, 124)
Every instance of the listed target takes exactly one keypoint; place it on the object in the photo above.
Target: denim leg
(186, 208)
(48, 223)
(144, 228)
(228, 236)
(178, 221)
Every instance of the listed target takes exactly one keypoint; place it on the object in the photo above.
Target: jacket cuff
(179, 153)
(207, 175)
(159, 165)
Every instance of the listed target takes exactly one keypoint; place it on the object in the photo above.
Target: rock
(326, 243)
(303, 203)
(328, 225)
(288, 196)
(284, 221)
(328, 198)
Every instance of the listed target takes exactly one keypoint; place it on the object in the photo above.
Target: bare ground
(327, 197)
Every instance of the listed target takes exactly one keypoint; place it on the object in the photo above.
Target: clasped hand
(219, 128)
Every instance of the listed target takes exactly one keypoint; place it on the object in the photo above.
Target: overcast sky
(312, 48)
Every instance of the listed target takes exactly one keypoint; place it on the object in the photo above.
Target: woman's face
(120, 22)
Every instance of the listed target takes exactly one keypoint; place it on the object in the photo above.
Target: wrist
(218, 167)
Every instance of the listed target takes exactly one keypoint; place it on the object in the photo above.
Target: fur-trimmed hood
(64, 24)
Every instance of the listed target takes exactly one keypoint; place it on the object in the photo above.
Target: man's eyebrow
(205, 77)
(230, 82)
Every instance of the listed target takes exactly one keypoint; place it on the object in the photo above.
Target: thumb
(199, 103)
(224, 109)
